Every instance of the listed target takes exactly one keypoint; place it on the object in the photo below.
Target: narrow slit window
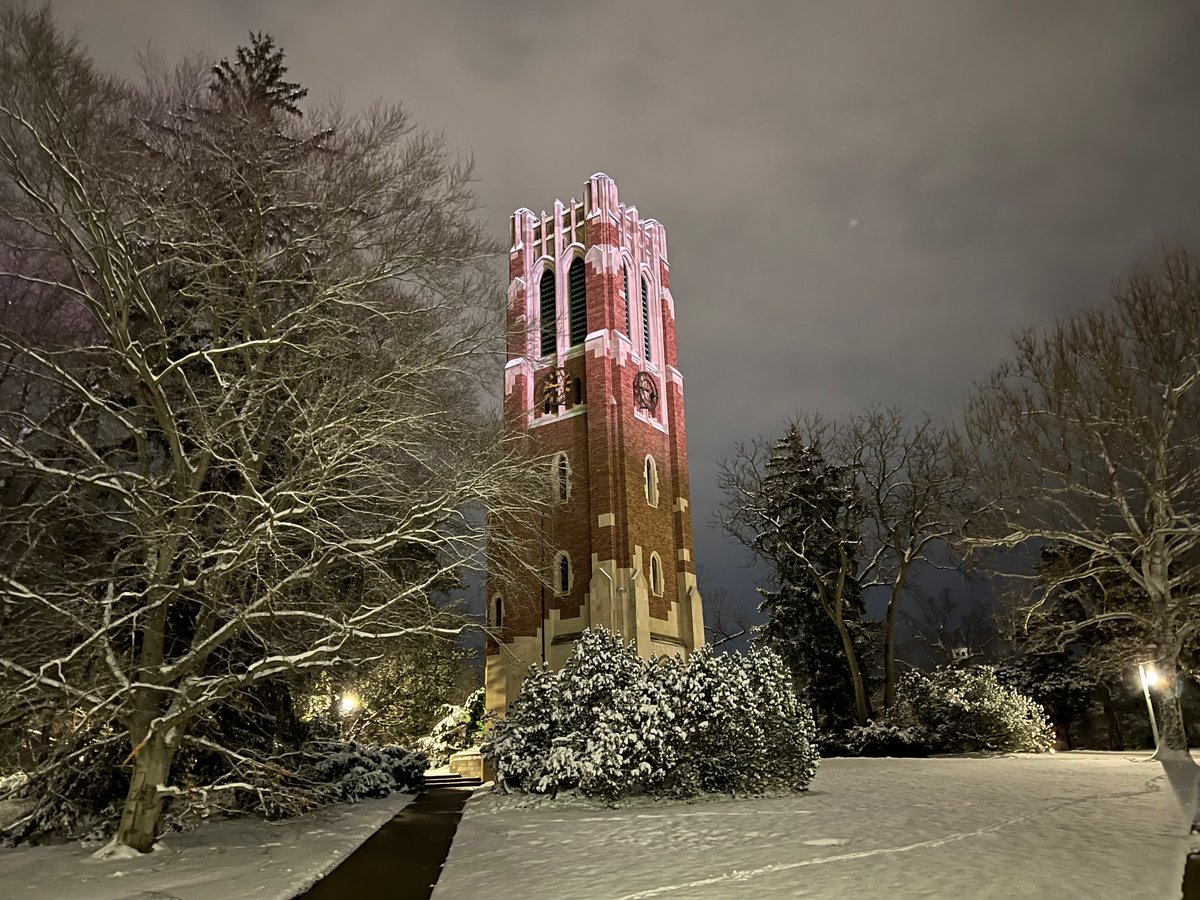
(656, 579)
(577, 285)
(498, 611)
(546, 292)
(628, 306)
(564, 573)
(646, 318)
(562, 475)
(578, 390)
(651, 481)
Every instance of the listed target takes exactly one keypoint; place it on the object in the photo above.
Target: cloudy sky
(863, 200)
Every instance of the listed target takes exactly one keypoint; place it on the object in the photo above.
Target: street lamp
(1149, 677)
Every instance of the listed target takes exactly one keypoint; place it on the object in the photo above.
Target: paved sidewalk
(401, 861)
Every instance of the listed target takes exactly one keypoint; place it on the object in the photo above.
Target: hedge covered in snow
(876, 739)
(351, 771)
(611, 724)
(961, 709)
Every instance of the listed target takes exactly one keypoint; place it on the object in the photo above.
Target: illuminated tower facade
(592, 374)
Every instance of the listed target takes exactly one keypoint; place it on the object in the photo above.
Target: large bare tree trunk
(1172, 738)
(143, 805)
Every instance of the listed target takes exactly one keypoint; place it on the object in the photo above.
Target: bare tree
(909, 491)
(727, 621)
(268, 458)
(948, 635)
(907, 500)
(1088, 441)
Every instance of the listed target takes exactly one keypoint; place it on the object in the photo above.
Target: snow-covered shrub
(541, 745)
(612, 724)
(460, 727)
(350, 771)
(966, 708)
(636, 744)
(83, 792)
(875, 739)
(744, 728)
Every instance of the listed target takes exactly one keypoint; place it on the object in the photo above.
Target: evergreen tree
(255, 80)
(799, 512)
(807, 640)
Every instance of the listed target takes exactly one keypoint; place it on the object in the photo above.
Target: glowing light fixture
(350, 703)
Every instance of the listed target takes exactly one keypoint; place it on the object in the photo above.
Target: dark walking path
(403, 859)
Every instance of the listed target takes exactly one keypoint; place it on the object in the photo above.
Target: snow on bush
(351, 771)
(876, 739)
(966, 708)
(459, 728)
(80, 796)
(611, 724)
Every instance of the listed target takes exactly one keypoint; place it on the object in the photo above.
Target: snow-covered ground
(241, 859)
(1096, 825)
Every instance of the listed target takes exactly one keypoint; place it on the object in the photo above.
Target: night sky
(863, 201)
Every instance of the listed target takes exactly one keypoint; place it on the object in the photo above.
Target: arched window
(628, 306)
(578, 390)
(562, 477)
(651, 481)
(498, 611)
(656, 574)
(646, 318)
(546, 293)
(577, 289)
(562, 573)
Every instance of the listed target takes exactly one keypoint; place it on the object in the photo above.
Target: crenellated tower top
(528, 229)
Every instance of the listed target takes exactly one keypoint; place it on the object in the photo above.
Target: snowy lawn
(240, 859)
(1096, 825)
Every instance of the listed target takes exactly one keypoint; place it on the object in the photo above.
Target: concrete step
(450, 781)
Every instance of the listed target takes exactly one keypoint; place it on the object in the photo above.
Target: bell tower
(592, 374)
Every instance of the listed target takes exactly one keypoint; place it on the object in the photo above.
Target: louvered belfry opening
(546, 289)
(646, 318)
(578, 309)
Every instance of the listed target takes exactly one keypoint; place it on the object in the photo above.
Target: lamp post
(1149, 677)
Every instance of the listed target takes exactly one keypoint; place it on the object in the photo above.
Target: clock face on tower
(554, 387)
(645, 391)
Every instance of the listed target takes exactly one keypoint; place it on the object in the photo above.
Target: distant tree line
(1072, 482)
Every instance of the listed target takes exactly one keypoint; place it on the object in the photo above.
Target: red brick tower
(592, 374)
